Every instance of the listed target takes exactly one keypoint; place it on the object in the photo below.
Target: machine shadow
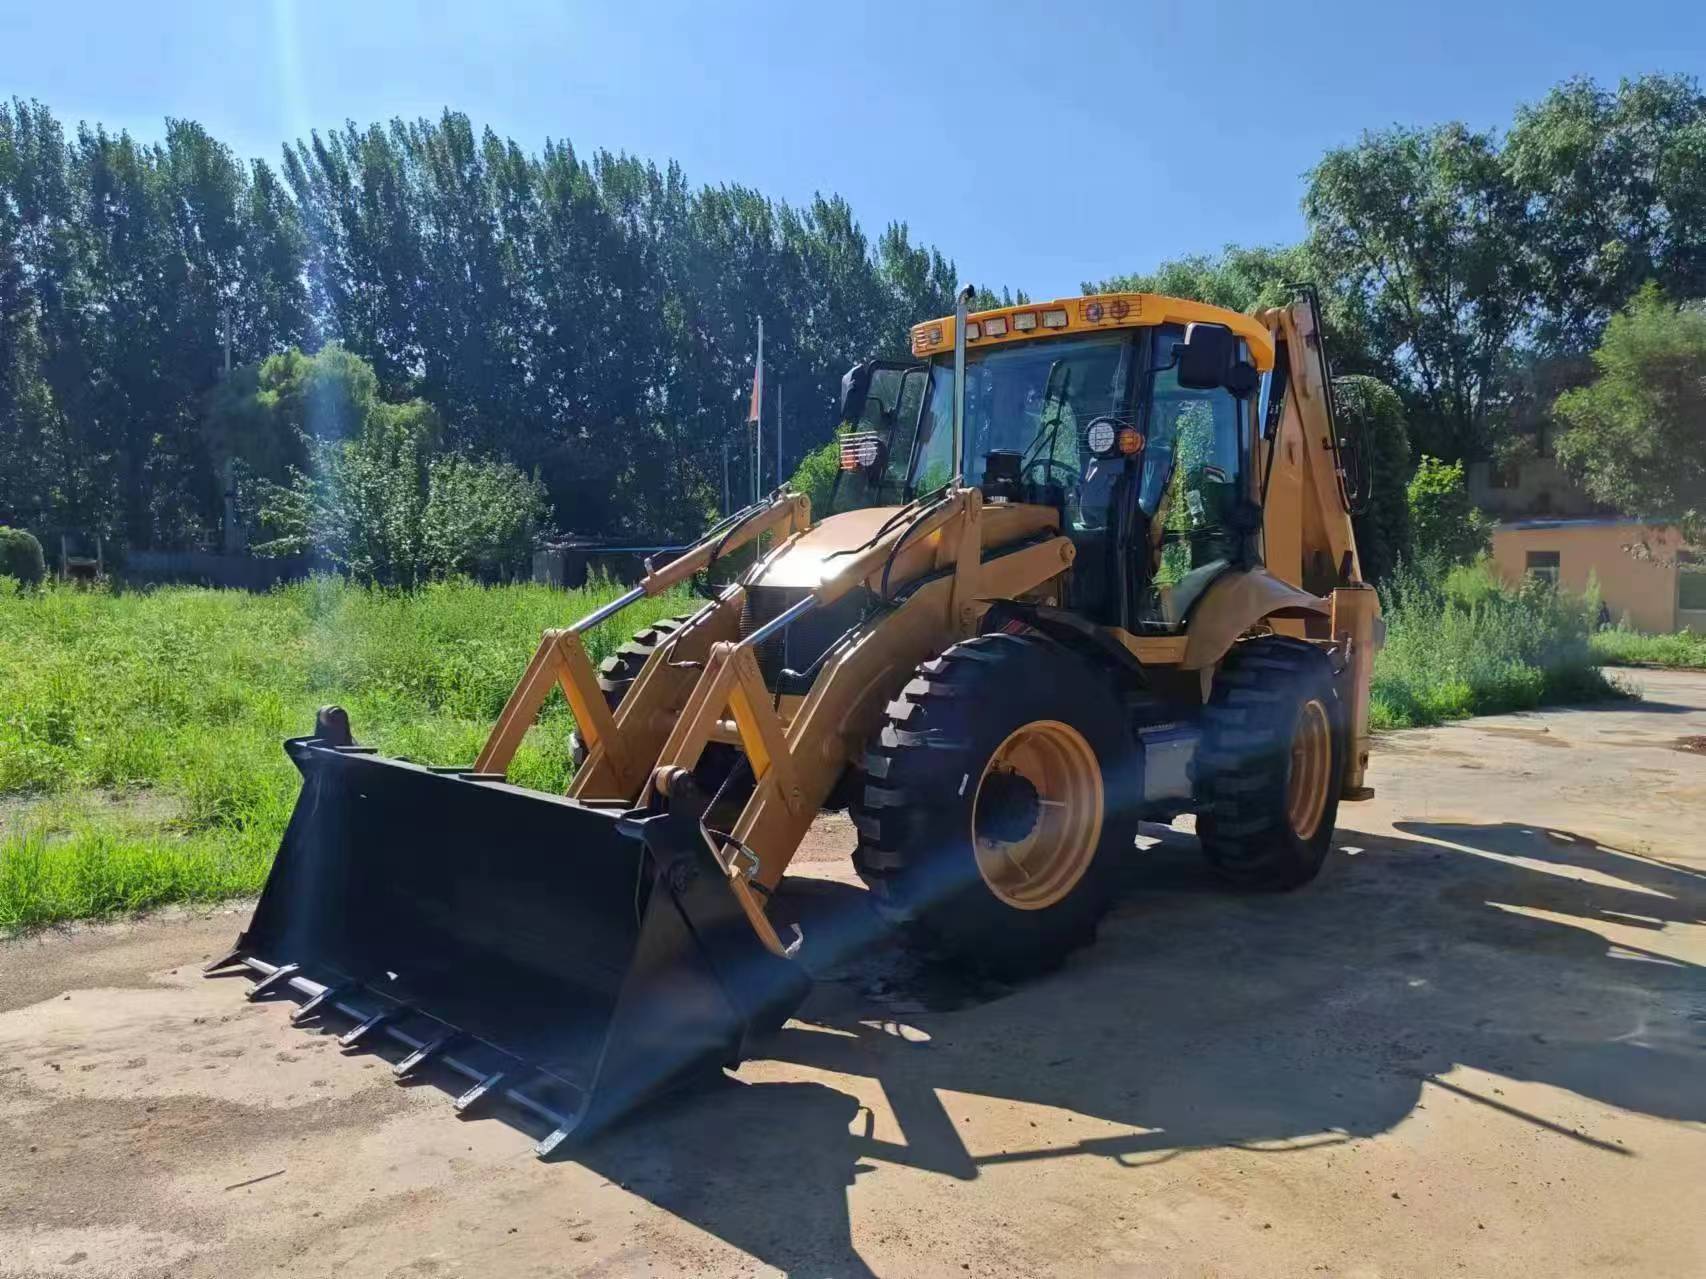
(1202, 1018)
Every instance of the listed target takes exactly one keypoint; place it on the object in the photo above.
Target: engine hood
(828, 545)
(808, 561)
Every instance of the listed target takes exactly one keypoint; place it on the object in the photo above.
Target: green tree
(1371, 413)
(1421, 232)
(1445, 527)
(1636, 435)
(1615, 182)
(816, 477)
(366, 483)
(265, 414)
(1248, 279)
(481, 518)
(1237, 278)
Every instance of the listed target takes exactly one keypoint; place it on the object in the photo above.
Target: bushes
(1371, 412)
(817, 475)
(337, 471)
(21, 557)
(1460, 642)
(1445, 527)
(1624, 647)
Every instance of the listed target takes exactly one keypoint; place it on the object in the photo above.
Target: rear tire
(999, 789)
(1271, 764)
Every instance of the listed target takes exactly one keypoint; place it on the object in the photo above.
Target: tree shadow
(1636, 705)
(1202, 1018)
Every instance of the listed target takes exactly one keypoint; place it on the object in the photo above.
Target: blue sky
(1038, 143)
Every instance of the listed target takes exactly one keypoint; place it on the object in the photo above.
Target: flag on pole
(753, 413)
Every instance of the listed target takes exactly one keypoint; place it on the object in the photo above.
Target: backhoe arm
(1308, 537)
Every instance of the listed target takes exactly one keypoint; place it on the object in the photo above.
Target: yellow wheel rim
(1037, 814)
(1311, 770)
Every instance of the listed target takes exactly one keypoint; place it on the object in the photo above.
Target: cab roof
(1094, 312)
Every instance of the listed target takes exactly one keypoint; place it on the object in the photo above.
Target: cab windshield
(1036, 399)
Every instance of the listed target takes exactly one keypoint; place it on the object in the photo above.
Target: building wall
(1535, 486)
(1639, 590)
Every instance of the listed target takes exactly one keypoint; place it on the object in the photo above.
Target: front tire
(998, 790)
(616, 675)
(1271, 765)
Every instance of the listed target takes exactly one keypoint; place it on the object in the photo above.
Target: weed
(187, 693)
(1463, 643)
(1623, 647)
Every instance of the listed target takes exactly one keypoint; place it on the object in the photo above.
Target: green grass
(1631, 648)
(140, 758)
(183, 696)
(1462, 643)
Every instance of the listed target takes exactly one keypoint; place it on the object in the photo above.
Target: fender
(1233, 603)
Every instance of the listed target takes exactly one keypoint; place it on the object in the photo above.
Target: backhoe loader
(1088, 562)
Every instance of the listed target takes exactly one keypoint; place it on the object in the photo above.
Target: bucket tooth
(480, 1091)
(546, 1145)
(330, 995)
(425, 1053)
(229, 959)
(377, 1021)
(279, 976)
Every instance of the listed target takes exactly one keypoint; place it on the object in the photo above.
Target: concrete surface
(1476, 1046)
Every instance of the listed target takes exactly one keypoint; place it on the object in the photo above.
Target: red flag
(753, 412)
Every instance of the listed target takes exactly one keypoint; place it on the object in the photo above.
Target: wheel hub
(1037, 814)
(1310, 778)
(1007, 807)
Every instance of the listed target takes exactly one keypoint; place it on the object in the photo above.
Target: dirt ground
(1477, 1045)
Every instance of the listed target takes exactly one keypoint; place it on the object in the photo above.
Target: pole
(780, 478)
(960, 306)
(758, 419)
(725, 477)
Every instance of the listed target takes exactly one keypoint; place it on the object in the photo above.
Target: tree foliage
(118, 263)
(591, 317)
(1371, 413)
(1247, 279)
(20, 556)
(1445, 527)
(375, 492)
(1615, 186)
(1240, 279)
(1420, 232)
(1636, 435)
(592, 320)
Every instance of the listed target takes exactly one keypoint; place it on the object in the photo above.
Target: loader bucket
(575, 959)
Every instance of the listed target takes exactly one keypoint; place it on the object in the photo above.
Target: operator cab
(1139, 436)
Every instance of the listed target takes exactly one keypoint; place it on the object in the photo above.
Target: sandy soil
(1476, 1046)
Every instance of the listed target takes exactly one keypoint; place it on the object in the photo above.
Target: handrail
(751, 524)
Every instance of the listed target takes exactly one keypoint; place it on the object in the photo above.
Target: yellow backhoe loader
(1088, 562)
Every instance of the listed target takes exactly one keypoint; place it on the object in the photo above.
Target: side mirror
(855, 387)
(1205, 356)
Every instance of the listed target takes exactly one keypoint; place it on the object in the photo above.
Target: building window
(1544, 565)
(1691, 582)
